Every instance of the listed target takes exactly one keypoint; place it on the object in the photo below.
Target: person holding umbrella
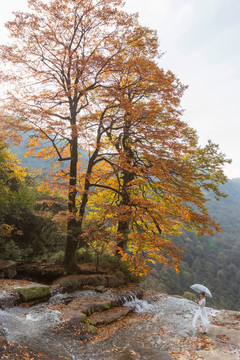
(201, 311)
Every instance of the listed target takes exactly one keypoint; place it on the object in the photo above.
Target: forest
(125, 175)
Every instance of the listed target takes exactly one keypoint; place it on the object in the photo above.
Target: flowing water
(144, 337)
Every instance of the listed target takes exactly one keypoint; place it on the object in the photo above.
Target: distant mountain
(29, 161)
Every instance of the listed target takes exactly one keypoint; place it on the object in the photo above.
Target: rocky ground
(157, 327)
(175, 319)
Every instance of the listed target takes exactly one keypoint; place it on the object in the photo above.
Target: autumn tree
(84, 75)
(62, 52)
(160, 176)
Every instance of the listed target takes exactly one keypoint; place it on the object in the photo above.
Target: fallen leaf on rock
(223, 337)
(133, 352)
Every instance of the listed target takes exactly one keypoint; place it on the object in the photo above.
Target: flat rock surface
(159, 329)
(78, 306)
(109, 316)
(162, 329)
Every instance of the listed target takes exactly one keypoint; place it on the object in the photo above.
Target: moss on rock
(33, 292)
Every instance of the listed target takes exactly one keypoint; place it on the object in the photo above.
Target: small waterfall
(139, 305)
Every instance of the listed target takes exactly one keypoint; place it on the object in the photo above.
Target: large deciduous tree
(62, 52)
(160, 176)
(83, 76)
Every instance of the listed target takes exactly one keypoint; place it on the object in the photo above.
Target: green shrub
(58, 257)
(85, 255)
(114, 264)
(9, 250)
(109, 262)
(32, 237)
(190, 296)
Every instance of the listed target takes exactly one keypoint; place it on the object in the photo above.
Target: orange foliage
(93, 83)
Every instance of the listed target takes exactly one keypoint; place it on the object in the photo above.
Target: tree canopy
(85, 77)
(11, 174)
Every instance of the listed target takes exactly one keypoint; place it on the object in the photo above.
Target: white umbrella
(199, 288)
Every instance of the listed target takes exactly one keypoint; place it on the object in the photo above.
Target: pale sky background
(201, 41)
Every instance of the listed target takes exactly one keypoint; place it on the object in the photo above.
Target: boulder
(8, 269)
(109, 316)
(77, 282)
(44, 272)
(33, 292)
(100, 289)
(114, 281)
(74, 314)
(90, 307)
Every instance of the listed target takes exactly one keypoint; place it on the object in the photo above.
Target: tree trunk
(123, 229)
(127, 177)
(73, 230)
(70, 261)
(87, 186)
(74, 240)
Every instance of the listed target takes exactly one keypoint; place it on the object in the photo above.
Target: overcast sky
(200, 39)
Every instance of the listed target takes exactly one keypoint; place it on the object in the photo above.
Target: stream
(144, 335)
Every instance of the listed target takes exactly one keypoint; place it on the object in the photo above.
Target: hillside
(213, 261)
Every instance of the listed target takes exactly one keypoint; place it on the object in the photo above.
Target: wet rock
(33, 292)
(77, 307)
(8, 269)
(8, 299)
(145, 354)
(97, 306)
(130, 295)
(75, 314)
(110, 316)
(76, 330)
